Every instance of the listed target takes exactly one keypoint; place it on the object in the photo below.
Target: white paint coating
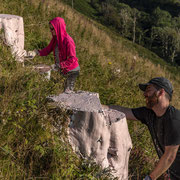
(13, 31)
(97, 133)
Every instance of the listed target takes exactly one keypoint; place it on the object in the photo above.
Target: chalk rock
(80, 101)
(97, 133)
(43, 69)
(12, 32)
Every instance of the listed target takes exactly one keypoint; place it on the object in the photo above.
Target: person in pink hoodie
(63, 47)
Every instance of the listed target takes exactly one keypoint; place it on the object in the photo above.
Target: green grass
(27, 140)
(29, 147)
(83, 6)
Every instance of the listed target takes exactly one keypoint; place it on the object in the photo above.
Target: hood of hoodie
(60, 28)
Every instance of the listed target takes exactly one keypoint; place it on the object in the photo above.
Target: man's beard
(152, 101)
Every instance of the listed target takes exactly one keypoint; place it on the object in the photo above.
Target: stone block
(12, 33)
(97, 133)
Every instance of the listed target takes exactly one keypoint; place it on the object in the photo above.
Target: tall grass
(31, 146)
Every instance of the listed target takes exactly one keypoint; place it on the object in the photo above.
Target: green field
(110, 65)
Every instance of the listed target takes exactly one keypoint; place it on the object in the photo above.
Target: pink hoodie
(66, 46)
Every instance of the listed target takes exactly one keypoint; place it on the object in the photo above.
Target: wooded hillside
(154, 24)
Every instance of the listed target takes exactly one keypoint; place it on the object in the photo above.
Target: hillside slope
(148, 23)
(110, 65)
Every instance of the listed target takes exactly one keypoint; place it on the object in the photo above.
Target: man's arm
(165, 161)
(126, 111)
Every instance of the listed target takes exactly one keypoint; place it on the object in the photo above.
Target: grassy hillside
(110, 65)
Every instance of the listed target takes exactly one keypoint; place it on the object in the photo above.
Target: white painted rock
(79, 101)
(43, 69)
(97, 133)
(13, 34)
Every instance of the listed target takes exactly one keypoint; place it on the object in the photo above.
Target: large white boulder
(96, 133)
(12, 33)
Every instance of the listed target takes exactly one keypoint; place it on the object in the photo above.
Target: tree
(168, 40)
(110, 14)
(161, 18)
(94, 3)
(126, 20)
(135, 16)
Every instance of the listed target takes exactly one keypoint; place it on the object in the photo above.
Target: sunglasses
(51, 28)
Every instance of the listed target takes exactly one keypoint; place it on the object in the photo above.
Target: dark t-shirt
(165, 131)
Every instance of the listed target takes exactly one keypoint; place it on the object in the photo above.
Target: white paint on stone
(80, 101)
(97, 133)
(43, 69)
(12, 33)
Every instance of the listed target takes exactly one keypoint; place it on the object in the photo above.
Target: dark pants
(70, 80)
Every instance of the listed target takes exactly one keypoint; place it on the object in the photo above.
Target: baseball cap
(160, 82)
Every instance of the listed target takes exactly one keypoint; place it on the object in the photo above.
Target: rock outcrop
(97, 133)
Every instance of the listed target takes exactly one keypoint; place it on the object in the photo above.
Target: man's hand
(147, 178)
(165, 161)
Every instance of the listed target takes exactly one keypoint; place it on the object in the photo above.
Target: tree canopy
(154, 24)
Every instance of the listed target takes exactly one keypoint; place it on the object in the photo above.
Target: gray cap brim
(143, 87)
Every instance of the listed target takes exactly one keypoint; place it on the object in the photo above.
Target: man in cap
(163, 121)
